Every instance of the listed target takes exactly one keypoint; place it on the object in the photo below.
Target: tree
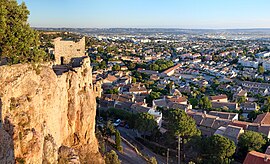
(162, 67)
(116, 67)
(131, 66)
(110, 129)
(193, 102)
(111, 158)
(100, 49)
(261, 70)
(112, 91)
(118, 141)
(253, 114)
(215, 83)
(217, 149)
(241, 99)
(266, 107)
(154, 95)
(103, 65)
(249, 141)
(18, 42)
(169, 86)
(182, 126)
(202, 89)
(154, 67)
(133, 80)
(152, 160)
(145, 123)
(115, 91)
(205, 103)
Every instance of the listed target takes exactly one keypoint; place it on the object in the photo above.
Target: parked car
(117, 122)
(100, 118)
(127, 126)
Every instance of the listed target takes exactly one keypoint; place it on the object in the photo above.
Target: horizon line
(178, 28)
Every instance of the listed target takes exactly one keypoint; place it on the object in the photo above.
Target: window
(62, 60)
(78, 49)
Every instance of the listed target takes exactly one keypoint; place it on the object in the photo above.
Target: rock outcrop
(45, 118)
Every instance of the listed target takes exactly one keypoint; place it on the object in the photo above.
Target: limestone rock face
(41, 112)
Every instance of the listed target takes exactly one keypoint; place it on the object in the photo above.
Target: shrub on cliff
(19, 43)
(111, 158)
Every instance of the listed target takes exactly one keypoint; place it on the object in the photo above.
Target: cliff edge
(47, 118)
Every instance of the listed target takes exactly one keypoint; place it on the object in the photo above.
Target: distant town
(219, 78)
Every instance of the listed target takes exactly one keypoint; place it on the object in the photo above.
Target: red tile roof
(254, 157)
(263, 118)
(242, 124)
(172, 68)
(218, 97)
(178, 99)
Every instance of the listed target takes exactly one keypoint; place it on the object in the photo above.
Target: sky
(188, 14)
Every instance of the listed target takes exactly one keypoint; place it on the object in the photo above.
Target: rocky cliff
(47, 118)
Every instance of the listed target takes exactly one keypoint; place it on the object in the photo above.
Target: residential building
(240, 93)
(110, 79)
(266, 65)
(247, 62)
(255, 157)
(224, 115)
(219, 98)
(208, 124)
(138, 89)
(172, 103)
(256, 88)
(233, 133)
(263, 54)
(248, 107)
(229, 105)
(170, 71)
(263, 119)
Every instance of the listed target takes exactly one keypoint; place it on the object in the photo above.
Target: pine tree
(19, 43)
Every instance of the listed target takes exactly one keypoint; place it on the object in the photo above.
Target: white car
(117, 122)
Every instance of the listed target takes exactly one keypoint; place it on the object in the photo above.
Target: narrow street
(128, 134)
(129, 156)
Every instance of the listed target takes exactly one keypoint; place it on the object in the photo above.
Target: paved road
(130, 136)
(129, 156)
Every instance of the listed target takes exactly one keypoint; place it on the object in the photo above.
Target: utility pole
(179, 141)
(168, 155)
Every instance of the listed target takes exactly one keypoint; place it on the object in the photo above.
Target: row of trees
(161, 65)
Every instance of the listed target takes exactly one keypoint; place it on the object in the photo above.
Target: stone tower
(65, 50)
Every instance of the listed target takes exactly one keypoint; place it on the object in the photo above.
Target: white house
(247, 62)
(266, 65)
(157, 115)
